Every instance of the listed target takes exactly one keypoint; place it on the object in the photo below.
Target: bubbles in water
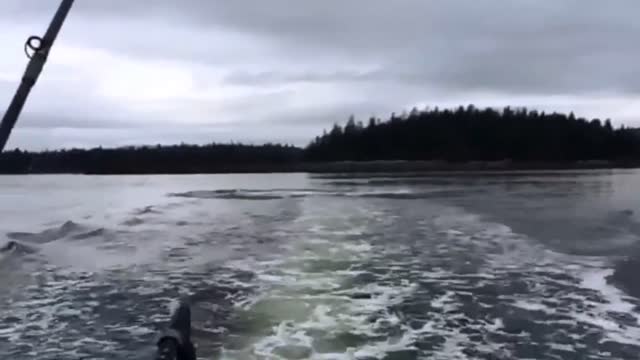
(311, 272)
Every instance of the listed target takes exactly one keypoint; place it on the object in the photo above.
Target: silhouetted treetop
(469, 133)
(153, 159)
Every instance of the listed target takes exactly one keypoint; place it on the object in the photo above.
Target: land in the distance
(465, 139)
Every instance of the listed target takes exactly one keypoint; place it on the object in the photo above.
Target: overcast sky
(169, 71)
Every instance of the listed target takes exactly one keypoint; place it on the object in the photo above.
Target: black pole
(33, 70)
(175, 343)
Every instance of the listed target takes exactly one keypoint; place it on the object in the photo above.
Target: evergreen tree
(468, 133)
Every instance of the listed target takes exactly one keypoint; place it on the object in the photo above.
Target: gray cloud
(48, 121)
(523, 46)
(309, 64)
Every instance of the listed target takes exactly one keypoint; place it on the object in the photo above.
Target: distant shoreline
(455, 140)
(437, 166)
(383, 166)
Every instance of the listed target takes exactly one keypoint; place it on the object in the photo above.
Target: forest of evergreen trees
(466, 134)
(453, 135)
(178, 159)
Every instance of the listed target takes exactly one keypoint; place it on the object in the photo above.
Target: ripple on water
(352, 279)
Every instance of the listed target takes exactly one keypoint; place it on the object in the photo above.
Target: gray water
(448, 266)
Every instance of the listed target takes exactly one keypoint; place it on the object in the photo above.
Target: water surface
(445, 266)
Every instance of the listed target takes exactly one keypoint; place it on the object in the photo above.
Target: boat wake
(327, 275)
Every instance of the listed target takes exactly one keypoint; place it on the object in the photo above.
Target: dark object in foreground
(175, 343)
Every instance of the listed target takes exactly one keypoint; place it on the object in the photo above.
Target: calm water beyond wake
(294, 266)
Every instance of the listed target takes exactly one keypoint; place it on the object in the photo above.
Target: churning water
(446, 266)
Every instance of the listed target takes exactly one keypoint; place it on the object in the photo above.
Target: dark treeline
(453, 135)
(470, 134)
(154, 159)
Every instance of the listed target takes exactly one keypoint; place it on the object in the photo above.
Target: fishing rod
(37, 50)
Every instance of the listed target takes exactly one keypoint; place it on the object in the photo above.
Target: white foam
(496, 325)
(321, 318)
(562, 347)
(283, 335)
(358, 247)
(443, 300)
(527, 305)
(595, 279)
(135, 330)
(329, 308)
(380, 349)
(87, 340)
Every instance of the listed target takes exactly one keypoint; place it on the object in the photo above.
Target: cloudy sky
(169, 71)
